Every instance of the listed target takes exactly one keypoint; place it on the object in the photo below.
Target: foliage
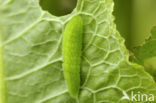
(146, 54)
(32, 46)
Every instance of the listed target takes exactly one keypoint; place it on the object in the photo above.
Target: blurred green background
(58, 7)
(135, 19)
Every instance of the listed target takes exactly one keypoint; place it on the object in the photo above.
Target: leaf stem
(2, 81)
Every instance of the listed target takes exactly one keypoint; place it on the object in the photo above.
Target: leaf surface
(32, 42)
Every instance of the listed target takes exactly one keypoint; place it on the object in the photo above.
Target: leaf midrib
(2, 81)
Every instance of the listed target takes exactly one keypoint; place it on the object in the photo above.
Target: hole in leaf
(58, 7)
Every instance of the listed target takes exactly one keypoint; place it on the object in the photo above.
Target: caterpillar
(72, 47)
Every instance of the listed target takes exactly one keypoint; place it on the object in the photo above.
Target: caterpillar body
(72, 46)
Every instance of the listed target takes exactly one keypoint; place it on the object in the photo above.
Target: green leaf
(146, 54)
(2, 81)
(32, 42)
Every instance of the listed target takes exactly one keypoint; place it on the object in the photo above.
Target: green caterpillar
(72, 47)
